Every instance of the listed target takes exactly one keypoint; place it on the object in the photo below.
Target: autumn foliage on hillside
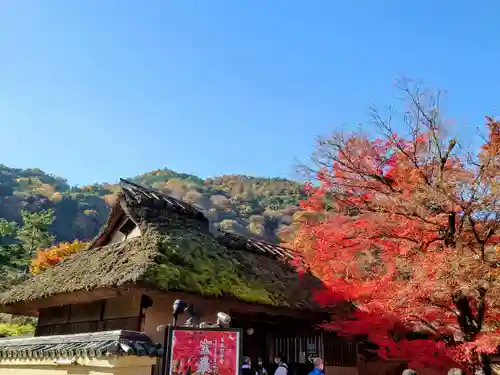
(407, 227)
(46, 258)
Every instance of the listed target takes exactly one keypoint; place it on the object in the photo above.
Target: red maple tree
(406, 227)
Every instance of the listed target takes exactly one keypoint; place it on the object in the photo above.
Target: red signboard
(204, 351)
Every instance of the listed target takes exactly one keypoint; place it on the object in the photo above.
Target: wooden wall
(293, 336)
(103, 315)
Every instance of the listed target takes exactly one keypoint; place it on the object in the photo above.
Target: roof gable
(139, 196)
(147, 206)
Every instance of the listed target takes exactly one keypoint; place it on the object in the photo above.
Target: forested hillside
(39, 210)
(253, 206)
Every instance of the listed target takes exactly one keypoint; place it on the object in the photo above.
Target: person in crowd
(409, 371)
(319, 367)
(282, 368)
(261, 370)
(246, 368)
(176, 367)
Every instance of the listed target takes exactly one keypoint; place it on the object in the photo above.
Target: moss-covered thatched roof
(176, 252)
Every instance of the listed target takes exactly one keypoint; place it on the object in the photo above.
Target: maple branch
(432, 125)
(405, 215)
(481, 309)
(449, 238)
(476, 183)
(444, 307)
(385, 180)
(383, 235)
(351, 167)
(345, 185)
(447, 339)
(426, 244)
(444, 159)
(389, 133)
(465, 318)
(431, 122)
(476, 235)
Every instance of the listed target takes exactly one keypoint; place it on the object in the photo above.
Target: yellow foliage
(7, 329)
(46, 190)
(46, 258)
(56, 196)
(113, 188)
(23, 180)
(110, 199)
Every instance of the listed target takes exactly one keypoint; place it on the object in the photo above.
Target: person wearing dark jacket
(261, 370)
(246, 369)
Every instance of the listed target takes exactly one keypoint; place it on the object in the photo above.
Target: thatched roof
(176, 252)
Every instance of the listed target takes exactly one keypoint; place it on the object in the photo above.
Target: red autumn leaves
(407, 228)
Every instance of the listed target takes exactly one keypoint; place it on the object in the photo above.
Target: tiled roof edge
(98, 344)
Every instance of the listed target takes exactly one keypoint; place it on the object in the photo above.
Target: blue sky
(97, 90)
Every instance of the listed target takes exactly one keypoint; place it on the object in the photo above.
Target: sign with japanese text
(204, 351)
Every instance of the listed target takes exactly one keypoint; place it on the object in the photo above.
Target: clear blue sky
(96, 90)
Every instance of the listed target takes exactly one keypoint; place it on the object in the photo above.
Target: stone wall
(130, 365)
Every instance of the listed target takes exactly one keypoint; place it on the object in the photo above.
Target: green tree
(10, 253)
(34, 234)
(5, 190)
(18, 244)
(7, 330)
(7, 233)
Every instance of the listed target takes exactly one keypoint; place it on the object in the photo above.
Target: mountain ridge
(253, 206)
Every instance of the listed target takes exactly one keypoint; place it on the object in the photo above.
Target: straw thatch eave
(177, 260)
(108, 266)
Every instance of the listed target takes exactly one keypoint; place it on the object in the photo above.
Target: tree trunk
(484, 365)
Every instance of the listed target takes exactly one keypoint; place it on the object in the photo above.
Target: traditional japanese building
(155, 249)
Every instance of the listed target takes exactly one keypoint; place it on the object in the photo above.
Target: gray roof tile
(98, 344)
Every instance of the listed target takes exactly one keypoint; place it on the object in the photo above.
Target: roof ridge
(263, 246)
(156, 191)
(175, 203)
